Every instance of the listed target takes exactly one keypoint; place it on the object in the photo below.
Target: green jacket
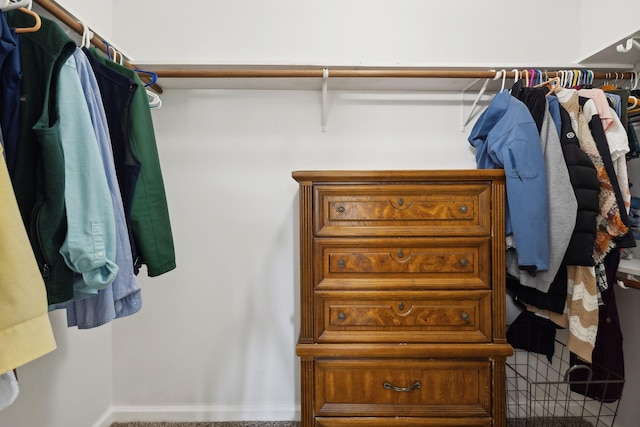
(38, 179)
(151, 227)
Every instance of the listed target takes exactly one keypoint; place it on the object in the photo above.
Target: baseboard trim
(105, 420)
(198, 413)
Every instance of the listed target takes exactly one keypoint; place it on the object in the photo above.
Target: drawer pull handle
(464, 209)
(341, 263)
(342, 316)
(416, 386)
(400, 254)
(341, 209)
(401, 306)
(464, 262)
(400, 201)
(465, 316)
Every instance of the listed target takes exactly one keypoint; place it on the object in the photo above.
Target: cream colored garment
(25, 329)
(580, 312)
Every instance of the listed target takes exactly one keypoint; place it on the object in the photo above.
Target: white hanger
(7, 5)
(478, 97)
(87, 35)
(517, 75)
(502, 72)
(154, 99)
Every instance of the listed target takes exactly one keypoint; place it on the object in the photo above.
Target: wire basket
(553, 394)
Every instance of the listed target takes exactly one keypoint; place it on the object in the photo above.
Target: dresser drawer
(408, 317)
(387, 263)
(401, 422)
(443, 209)
(402, 387)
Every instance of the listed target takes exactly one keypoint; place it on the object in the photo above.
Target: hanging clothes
(562, 203)
(90, 244)
(38, 178)
(10, 79)
(505, 136)
(9, 389)
(610, 223)
(614, 144)
(25, 329)
(150, 223)
(123, 297)
(608, 354)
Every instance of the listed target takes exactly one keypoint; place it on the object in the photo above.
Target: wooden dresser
(402, 293)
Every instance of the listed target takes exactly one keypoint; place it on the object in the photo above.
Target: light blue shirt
(90, 245)
(123, 297)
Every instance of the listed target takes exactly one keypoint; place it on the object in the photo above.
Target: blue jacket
(505, 136)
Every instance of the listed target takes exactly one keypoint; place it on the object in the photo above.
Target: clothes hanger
(154, 99)
(553, 84)
(607, 84)
(533, 74)
(36, 26)
(7, 5)
(87, 35)
(525, 76)
(23, 6)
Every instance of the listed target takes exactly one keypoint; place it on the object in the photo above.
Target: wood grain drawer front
(411, 317)
(452, 263)
(403, 210)
(403, 387)
(401, 422)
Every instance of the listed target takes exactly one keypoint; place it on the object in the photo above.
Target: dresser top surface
(397, 175)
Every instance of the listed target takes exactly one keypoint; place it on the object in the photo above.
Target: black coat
(586, 187)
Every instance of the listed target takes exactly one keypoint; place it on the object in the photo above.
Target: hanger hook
(516, 75)
(502, 73)
(87, 35)
(533, 74)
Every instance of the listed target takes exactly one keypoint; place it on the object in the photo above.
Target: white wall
(595, 36)
(219, 333)
(71, 386)
(338, 32)
(215, 338)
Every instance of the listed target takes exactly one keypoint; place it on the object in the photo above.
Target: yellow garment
(25, 328)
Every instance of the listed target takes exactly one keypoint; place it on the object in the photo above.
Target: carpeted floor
(533, 422)
(549, 422)
(212, 424)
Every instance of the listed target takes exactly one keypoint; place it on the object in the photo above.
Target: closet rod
(361, 73)
(70, 21)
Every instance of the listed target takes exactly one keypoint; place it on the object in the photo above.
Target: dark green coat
(38, 178)
(150, 224)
